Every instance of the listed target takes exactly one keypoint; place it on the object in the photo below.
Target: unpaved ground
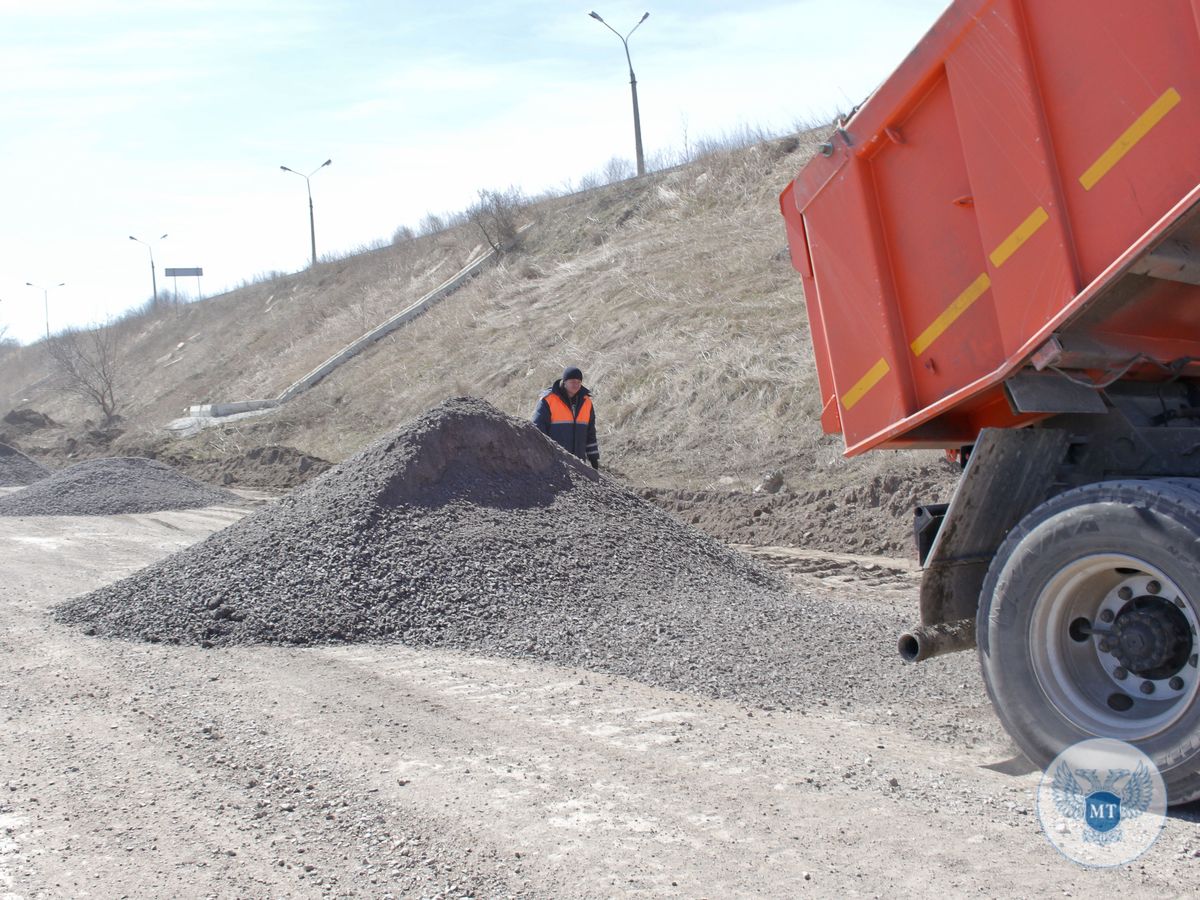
(130, 769)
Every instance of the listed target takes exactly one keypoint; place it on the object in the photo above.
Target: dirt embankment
(54, 446)
(873, 518)
(271, 467)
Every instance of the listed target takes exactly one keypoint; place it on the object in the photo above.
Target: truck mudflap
(1008, 473)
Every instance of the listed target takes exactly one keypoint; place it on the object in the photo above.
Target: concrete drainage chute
(202, 415)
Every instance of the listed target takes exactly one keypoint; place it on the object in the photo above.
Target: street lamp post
(312, 227)
(153, 277)
(45, 300)
(637, 121)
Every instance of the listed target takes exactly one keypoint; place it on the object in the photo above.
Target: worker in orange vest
(565, 413)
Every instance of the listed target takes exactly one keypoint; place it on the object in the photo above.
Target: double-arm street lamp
(45, 300)
(312, 227)
(153, 277)
(637, 122)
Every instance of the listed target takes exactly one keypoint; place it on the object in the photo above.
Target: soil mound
(17, 469)
(873, 518)
(108, 487)
(467, 528)
(28, 419)
(272, 466)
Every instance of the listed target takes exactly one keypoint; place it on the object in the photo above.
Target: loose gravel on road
(109, 487)
(468, 529)
(17, 469)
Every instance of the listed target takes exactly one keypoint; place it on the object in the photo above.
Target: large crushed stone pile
(109, 487)
(468, 529)
(17, 469)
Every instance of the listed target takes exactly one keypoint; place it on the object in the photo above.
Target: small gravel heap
(469, 529)
(17, 469)
(109, 487)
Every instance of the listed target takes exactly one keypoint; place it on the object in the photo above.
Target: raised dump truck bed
(1000, 254)
(1021, 194)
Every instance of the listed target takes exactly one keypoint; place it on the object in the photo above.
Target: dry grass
(673, 292)
(251, 342)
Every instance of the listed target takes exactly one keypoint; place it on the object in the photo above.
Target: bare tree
(496, 214)
(617, 169)
(88, 362)
(431, 224)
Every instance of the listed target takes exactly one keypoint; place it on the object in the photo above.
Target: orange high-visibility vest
(560, 412)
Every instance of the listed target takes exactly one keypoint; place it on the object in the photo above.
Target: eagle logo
(1102, 803)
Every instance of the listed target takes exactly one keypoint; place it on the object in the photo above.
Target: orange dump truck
(1000, 253)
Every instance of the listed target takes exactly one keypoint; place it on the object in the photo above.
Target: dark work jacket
(570, 422)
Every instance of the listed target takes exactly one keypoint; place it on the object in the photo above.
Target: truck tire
(1087, 625)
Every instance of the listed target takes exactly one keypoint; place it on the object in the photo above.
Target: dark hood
(558, 388)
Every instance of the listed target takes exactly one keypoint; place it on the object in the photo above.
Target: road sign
(176, 274)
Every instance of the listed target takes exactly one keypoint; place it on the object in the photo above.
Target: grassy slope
(674, 293)
(248, 343)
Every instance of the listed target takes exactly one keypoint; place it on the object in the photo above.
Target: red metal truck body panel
(993, 194)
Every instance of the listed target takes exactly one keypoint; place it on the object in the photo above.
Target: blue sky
(141, 118)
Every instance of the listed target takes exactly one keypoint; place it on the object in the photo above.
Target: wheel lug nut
(1176, 683)
(1125, 593)
(1147, 687)
(1106, 615)
(1120, 673)
(1153, 587)
(1106, 646)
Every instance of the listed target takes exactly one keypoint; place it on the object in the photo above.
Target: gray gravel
(107, 487)
(468, 529)
(17, 469)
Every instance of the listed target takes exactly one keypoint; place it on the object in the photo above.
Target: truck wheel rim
(1114, 646)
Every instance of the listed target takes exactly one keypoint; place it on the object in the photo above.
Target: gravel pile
(108, 487)
(467, 529)
(17, 469)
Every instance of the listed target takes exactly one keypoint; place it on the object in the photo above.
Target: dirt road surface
(142, 770)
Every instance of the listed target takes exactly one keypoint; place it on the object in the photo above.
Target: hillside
(673, 292)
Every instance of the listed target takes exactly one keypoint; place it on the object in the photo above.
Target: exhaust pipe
(929, 641)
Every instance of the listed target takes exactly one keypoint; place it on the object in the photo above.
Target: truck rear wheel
(1088, 620)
